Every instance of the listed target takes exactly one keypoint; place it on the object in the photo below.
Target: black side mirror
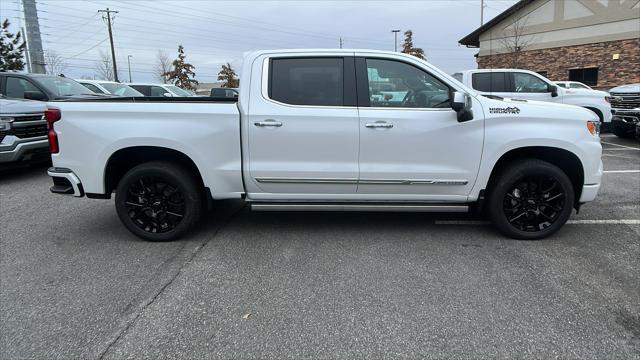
(462, 105)
(553, 90)
(35, 95)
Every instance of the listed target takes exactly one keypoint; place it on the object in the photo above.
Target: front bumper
(590, 191)
(65, 182)
(626, 120)
(14, 149)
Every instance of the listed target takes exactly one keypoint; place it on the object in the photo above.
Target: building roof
(473, 39)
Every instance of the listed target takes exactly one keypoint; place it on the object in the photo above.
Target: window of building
(307, 81)
(588, 76)
(490, 82)
(543, 73)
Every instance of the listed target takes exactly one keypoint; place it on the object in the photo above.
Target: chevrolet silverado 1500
(330, 130)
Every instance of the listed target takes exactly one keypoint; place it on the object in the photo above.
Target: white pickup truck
(528, 85)
(318, 130)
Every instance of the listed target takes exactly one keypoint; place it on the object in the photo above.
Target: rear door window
(144, 89)
(307, 81)
(490, 82)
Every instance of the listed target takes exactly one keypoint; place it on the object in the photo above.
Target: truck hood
(20, 106)
(585, 92)
(630, 88)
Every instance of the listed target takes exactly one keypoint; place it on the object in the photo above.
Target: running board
(360, 207)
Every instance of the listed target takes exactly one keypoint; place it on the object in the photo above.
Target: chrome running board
(359, 207)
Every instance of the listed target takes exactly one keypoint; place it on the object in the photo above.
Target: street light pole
(129, 63)
(395, 43)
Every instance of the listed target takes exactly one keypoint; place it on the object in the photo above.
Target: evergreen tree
(11, 49)
(229, 76)
(182, 74)
(407, 46)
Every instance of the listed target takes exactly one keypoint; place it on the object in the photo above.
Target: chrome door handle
(379, 125)
(268, 123)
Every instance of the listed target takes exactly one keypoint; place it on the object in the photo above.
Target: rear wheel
(530, 200)
(159, 201)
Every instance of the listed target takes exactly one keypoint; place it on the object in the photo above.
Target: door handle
(379, 125)
(268, 123)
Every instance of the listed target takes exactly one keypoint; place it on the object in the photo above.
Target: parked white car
(109, 87)
(524, 84)
(309, 132)
(573, 85)
(164, 90)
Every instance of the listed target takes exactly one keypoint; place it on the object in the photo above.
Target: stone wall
(557, 62)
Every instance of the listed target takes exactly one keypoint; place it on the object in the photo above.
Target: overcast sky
(214, 32)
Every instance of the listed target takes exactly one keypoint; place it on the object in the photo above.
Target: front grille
(625, 100)
(30, 131)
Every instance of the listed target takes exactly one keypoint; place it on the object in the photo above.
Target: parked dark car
(42, 87)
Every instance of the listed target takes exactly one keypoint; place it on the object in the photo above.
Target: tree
(55, 64)
(229, 76)
(515, 42)
(182, 74)
(163, 66)
(407, 46)
(11, 49)
(104, 67)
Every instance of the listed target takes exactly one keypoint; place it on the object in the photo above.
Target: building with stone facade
(596, 42)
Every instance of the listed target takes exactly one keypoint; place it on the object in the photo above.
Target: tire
(620, 132)
(519, 210)
(159, 201)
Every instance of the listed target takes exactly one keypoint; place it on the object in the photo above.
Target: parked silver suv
(23, 131)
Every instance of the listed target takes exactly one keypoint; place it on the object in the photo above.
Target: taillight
(52, 115)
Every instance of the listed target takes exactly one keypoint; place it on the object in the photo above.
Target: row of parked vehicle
(23, 129)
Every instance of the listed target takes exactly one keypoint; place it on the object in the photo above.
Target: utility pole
(113, 52)
(34, 39)
(129, 63)
(341, 42)
(481, 12)
(395, 43)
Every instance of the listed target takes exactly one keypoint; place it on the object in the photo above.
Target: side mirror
(553, 90)
(462, 105)
(35, 95)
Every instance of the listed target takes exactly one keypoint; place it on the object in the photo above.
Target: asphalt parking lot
(76, 284)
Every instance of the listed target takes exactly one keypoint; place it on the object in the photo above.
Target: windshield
(63, 86)
(176, 90)
(121, 89)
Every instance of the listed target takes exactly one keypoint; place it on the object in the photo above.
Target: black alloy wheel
(530, 199)
(159, 201)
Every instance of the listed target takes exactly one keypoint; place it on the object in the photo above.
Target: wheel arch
(126, 158)
(564, 159)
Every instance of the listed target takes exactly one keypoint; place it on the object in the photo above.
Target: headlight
(5, 123)
(593, 127)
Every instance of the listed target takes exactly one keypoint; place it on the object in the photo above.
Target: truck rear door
(302, 131)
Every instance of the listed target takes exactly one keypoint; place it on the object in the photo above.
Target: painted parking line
(620, 171)
(622, 146)
(574, 222)
(620, 149)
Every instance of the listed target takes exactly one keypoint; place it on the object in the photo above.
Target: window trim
(349, 79)
(364, 97)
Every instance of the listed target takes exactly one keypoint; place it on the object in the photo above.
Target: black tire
(530, 199)
(159, 201)
(620, 132)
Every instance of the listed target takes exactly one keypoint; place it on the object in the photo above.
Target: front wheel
(530, 200)
(158, 201)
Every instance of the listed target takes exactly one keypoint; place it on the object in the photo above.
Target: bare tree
(515, 41)
(104, 67)
(54, 63)
(163, 66)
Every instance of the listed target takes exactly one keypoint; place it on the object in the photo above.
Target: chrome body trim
(285, 180)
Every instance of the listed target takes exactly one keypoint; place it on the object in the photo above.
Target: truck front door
(411, 145)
